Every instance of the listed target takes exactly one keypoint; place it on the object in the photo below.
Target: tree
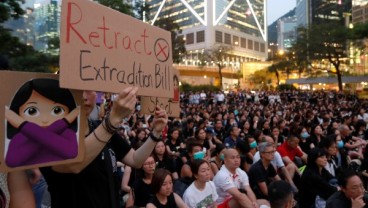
(323, 42)
(217, 55)
(10, 9)
(141, 10)
(178, 43)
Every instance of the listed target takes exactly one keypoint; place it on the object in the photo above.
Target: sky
(277, 8)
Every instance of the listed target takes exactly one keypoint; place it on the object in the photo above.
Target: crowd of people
(240, 149)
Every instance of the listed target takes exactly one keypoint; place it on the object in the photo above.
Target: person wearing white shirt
(202, 192)
(231, 181)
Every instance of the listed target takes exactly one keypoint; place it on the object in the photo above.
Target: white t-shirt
(276, 162)
(195, 198)
(224, 180)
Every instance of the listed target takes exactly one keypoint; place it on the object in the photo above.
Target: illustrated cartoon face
(42, 111)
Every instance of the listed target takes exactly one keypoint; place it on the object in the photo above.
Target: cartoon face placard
(43, 123)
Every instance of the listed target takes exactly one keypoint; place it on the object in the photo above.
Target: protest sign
(104, 50)
(171, 105)
(43, 123)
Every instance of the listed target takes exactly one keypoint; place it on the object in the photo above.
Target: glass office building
(240, 24)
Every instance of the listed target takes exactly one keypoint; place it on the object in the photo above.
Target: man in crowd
(289, 149)
(232, 184)
(233, 138)
(262, 173)
(351, 194)
(281, 195)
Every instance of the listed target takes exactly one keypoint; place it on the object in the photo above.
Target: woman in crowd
(314, 184)
(162, 188)
(139, 139)
(141, 189)
(163, 160)
(217, 158)
(202, 192)
(173, 144)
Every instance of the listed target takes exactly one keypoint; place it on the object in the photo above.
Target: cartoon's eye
(57, 110)
(31, 111)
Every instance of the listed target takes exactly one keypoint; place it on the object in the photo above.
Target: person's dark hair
(345, 176)
(154, 154)
(193, 144)
(292, 136)
(195, 166)
(219, 147)
(243, 147)
(327, 142)
(158, 179)
(48, 88)
(176, 79)
(279, 193)
(313, 155)
(197, 132)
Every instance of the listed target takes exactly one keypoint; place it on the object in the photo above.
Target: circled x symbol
(162, 50)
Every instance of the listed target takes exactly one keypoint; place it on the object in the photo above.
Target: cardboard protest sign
(171, 105)
(44, 124)
(105, 50)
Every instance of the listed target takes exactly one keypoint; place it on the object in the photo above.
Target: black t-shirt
(167, 163)
(173, 147)
(142, 193)
(258, 174)
(95, 186)
(170, 202)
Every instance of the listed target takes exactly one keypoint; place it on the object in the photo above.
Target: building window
(227, 38)
(263, 47)
(218, 37)
(236, 40)
(256, 46)
(200, 36)
(243, 43)
(190, 38)
(250, 44)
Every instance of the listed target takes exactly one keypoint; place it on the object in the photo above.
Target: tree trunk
(220, 76)
(339, 79)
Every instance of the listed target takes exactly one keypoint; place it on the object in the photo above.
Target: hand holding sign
(159, 121)
(123, 105)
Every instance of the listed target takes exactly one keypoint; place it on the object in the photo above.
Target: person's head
(293, 141)
(317, 130)
(219, 151)
(351, 184)
(231, 159)
(160, 149)
(280, 194)
(141, 134)
(329, 145)
(149, 166)
(344, 130)
(201, 170)
(193, 147)
(174, 134)
(317, 158)
(234, 131)
(218, 124)
(266, 151)
(89, 100)
(200, 134)
(42, 101)
(176, 81)
(162, 182)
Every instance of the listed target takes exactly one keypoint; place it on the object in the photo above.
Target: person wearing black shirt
(93, 182)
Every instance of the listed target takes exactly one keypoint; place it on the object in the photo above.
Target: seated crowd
(250, 149)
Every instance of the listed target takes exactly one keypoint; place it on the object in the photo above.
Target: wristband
(155, 139)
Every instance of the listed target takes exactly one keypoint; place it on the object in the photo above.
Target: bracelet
(155, 139)
(106, 124)
(98, 139)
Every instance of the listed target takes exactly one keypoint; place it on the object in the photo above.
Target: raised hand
(159, 121)
(123, 105)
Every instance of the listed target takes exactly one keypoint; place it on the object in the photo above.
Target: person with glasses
(141, 190)
(352, 193)
(262, 173)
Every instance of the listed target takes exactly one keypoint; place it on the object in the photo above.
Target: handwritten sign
(43, 124)
(105, 50)
(171, 105)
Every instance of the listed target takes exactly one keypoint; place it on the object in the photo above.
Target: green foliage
(35, 62)
(141, 10)
(10, 9)
(282, 87)
(185, 87)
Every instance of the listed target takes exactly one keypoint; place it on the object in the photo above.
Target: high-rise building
(204, 24)
(47, 23)
(286, 33)
(360, 11)
(321, 11)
